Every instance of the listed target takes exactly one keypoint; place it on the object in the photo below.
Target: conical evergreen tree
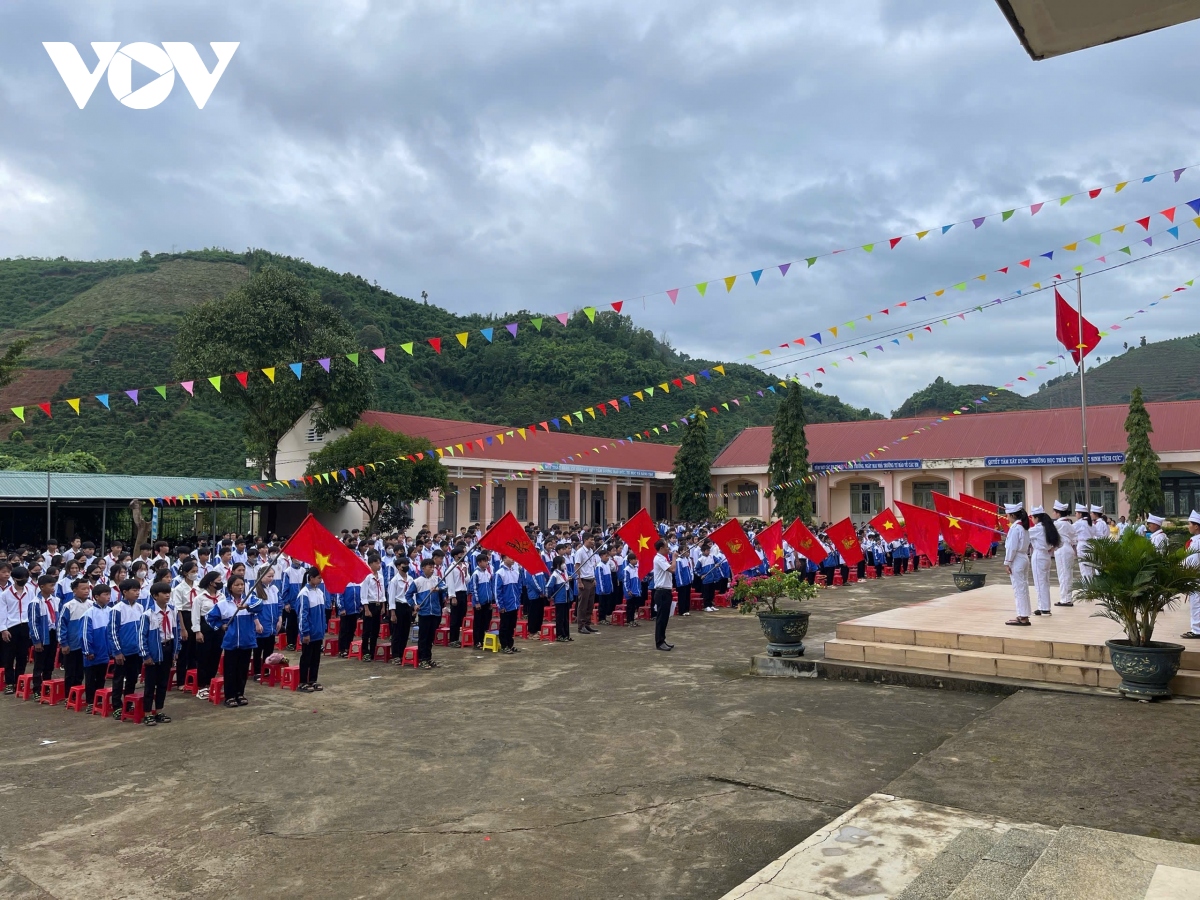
(1143, 482)
(789, 458)
(692, 479)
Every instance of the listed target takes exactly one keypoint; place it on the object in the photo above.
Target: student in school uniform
(183, 595)
(533, 596)
(557, 587)
(70, 629)
(425, 593)
(400, 611)
(14, 625)
(43, 617)
(310, 608)
(456, 575)
(66, 578)
(269, 617)
(707, 571)
(605, 597)
(208, 640)
(1016, 560)
(482, 595)
(683, 582)
(157, 642)
(631, 585)
(236, 617)
(373, 593)
(1044, 542)
(291, 581)
(351, 608)
(96, 643)
(506, 584)
(123, 632)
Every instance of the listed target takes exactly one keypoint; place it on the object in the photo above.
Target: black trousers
(862, 569)
(158, 675)
(878, 570)
(187, 649)
(310, 662)
(562, 620)
(43, 663)
(427, 627)
(264, 648)
(93, 679)
(347, 625)
(508, 624)
(662, 602)
(458, 610)
(483, 621)
(15, 652)
(845, 570)
(811, 576)
(209, 655)
(708, 591)
(401, 626)
(72, 669)
(535, 613)
(370, 638)
(632, 604)
(685, 598)
(291, 626)
(828, 571)
(237, 666)
(125, 679)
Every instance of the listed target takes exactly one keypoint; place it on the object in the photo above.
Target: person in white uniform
(1016, 560)
(1157, 536)
(1100, 528)
(1193, 559)
(1083, 534)
(1043, 542)
(1064, 556)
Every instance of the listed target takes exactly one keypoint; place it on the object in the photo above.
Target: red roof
(537, 447)
(1038, 432)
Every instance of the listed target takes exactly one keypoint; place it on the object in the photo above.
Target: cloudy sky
(552, 155)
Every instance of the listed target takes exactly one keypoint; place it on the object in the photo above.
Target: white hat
(1081, 507)
(1012, 508)
(1037, 511)
(1194, 517)
(1098, 509)
(1154, 520)
(1059, 506)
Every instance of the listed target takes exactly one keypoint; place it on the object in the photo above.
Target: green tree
(693, 483)
(275, 319)
(382, 492)
(1143, 483)
(789, 457)
(10, 362)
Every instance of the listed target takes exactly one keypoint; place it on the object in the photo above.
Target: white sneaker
(710, 609)
(202, 694)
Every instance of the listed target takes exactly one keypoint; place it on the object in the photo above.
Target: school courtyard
(600, 769)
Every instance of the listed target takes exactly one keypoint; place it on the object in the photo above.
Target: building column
(1035, 488)
(576, 514)
(824, 511)
(765, 500)
(888, 479)
(612, 509)
(534, 508)
(485, 498)
(646, 497)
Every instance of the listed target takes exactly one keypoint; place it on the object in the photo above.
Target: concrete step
(1003, 867)
(992, 665)
(946, 871)
(1104, 865)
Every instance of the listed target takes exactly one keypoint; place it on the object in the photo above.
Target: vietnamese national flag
(735, 544)
(887, 526)
(799, 537)
(640, 536)
(845, 541)
(508, 538)
(992, 517)
(771, 541)
(922, 526)
(963, 524)
(314, 544)
(1067, 324)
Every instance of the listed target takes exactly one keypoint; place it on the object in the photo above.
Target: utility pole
(1087, 484)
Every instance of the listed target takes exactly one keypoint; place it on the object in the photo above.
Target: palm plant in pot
(784, 628)
(1132, 584)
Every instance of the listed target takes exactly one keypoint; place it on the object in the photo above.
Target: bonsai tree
(1134, 582)
(765, 594)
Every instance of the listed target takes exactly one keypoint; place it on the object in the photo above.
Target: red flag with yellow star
(314, 544)
(771, 541)
(887, 526)
(962, 524)
(735, 544)
(640, 535)
(508, 538)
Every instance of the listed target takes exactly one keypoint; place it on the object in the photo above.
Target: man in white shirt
(585, 570)
(663, 580)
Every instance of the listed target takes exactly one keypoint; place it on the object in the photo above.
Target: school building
(528, 477)
(1033, 456)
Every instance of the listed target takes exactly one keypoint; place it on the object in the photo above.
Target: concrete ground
(598, 769)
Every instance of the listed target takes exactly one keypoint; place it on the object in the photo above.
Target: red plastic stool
(111, 670)
(54, 691)
(870, 573)
(618, 617)
(547, 632)
(191, 682)
(291, 677)
(854, 578)
(355, 650)
(332, 626)
(132, 710)
(2, 685)
(102, 705)
(281, 642)
(24, 687)
(272, 674)
(385, 631)
(77, 699)
(331, 647)
(384, 652)
(442, 638)
(643, 612)
(221, 665)
(410, 656)
(837, 579)
(216, 691)
(468, 622)
(521, 630)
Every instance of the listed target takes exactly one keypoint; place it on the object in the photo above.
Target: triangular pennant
(536, 323)
(462, 337)
(269, 371)
(324, 363)
(590, 312)
(436, 344)
(783, 269)
(215, 381)
(45, 407)
(617, 306)
(188, 386)
(243, 378)
(132, 395)
(756, 274)
(381, 353)
(1006, 215)
(729, 280)
(487, 334)
(407, 348)
(102, 399)
(19, 412)
(1169, 213)
(74, 404)
(161, 390)
(702, 287)
(892, 242)
(562, 317)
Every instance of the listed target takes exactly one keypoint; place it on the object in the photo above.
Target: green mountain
(110, 326)
(941, 397)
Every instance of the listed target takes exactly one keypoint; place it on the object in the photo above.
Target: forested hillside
(109, 326)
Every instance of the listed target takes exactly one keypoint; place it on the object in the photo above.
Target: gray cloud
(554, 155)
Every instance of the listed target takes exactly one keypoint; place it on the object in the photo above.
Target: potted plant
(1132, 584)
(785, 628)
(964, 578)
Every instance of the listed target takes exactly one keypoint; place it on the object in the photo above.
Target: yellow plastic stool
(491, 641)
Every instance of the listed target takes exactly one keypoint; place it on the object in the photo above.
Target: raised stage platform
(964, 635)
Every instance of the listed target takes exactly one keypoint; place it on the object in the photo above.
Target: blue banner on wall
(1065, 460)
(876, 464)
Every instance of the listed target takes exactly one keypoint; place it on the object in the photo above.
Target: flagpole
(1087, 485)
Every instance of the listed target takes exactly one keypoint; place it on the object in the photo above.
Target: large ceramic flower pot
(1145, 671)
(785, 631)
(969, 581)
